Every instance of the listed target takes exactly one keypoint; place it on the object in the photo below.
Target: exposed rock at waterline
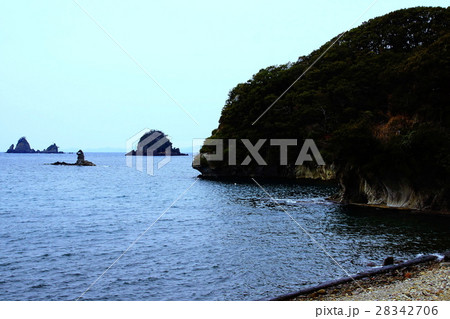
(388, 261)
(358, 188)
(446, 256)
(80, 161)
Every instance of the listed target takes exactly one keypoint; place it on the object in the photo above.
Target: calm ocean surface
(61, 227)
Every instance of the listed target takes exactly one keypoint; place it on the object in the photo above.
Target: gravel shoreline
(429, 281)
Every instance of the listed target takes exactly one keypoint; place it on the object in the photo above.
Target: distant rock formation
(23, 146)
(80, 158)
(155, 143)
(51, 149)
(80, 161)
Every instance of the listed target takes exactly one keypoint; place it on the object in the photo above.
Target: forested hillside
(377, 104)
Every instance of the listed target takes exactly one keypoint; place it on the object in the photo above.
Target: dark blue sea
(61, 227)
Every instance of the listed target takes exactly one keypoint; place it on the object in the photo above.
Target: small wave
(439, 256)
(76, 274)
(303, 201)
(38, 286)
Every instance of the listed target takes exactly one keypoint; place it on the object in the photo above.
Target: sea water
(62, 227)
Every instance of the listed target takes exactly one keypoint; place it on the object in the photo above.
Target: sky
(64, 80)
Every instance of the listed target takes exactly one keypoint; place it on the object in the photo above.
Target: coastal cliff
(376, 104)
(388, 193)
(214, 170)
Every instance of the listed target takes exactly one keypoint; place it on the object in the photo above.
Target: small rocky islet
(80, 161)
(155, 143)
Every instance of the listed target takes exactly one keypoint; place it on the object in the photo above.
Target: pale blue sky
(63, 80)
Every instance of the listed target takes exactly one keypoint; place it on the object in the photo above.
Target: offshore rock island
(155, 143)
(376, 104)
(23, 146)
(80, 161)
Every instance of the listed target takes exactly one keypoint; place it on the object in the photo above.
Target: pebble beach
(424, 282)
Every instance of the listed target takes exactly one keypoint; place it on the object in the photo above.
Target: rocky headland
(376, 104)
